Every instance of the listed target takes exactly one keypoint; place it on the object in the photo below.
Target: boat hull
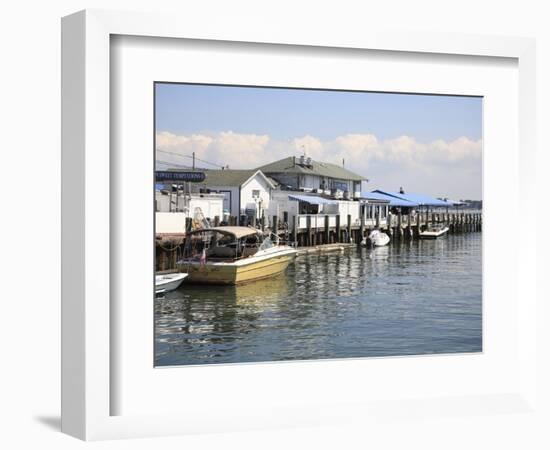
(377, 239)
(169, 282)
(226, 273)
(433, 234)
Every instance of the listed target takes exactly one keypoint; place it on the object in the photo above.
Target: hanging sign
(169, 176)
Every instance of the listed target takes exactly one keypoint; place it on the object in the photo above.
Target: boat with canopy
(233, 255)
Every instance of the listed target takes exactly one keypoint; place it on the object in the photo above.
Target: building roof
(419, 199)
(228, 177)
(393, 201)
(312, 199)
(324, 169)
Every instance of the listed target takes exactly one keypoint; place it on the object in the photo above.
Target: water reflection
(413, 298)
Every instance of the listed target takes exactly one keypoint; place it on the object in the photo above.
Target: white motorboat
(233, 255)
(434, 231)
(377, 239)
(168, 282)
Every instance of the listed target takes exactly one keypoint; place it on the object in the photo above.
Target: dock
(313, 230)
(322, 233)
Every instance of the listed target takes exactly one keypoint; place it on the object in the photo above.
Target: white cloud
(439, 167)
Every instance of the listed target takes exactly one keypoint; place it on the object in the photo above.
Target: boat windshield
(267, 243)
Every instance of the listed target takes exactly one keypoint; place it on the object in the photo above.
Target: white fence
(318, 221)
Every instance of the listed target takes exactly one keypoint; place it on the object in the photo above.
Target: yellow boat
(232, 255)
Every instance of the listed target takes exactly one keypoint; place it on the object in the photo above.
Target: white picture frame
(88, 322)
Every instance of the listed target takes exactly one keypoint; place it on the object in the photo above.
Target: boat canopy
(238, 232)
(393, 201)
(312, 199)
(419, 199)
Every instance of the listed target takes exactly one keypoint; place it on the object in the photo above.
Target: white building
(304, 174)
(244, 191)
(173, 208)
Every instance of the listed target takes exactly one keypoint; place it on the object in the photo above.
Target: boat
(377, 239)
(434, 231)
(168, 282)
(233, 255)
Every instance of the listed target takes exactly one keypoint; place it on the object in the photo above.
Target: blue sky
(287, 113)
(429, 143)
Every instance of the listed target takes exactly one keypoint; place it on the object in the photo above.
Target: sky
(428, 144)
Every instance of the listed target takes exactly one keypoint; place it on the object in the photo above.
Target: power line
(172, 164)
(189, 156)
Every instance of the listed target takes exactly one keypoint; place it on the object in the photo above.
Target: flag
(202, 260)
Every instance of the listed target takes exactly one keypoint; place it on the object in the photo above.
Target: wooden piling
(294, 231)
(326, 239)
(338, 236)
(275, 227)
(348, 237)
(362, 224)
(308, 228)
(399, 229)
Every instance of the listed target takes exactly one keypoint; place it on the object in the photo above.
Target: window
(255, 193)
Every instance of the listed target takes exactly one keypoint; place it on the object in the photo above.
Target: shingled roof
(323, 169)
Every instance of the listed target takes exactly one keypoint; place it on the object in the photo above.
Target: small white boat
(434, 231)
(377, 239)
(168, 282)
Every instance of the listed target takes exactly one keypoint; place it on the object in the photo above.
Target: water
(421, 297)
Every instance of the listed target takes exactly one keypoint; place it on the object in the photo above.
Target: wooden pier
(329, 229)
(312, 233)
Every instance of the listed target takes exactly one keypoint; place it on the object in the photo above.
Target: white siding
(281, 203)
(167, 222)
(248, 201)
(349, 207)
(211, 205)
(233, 193)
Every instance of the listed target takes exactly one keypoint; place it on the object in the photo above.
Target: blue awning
(312, 199)
(419, 199)
(393, 201)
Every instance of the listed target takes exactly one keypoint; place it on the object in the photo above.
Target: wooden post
(327, 230)
(216, 221)
(275, 229)
(308, 227)
(285, 217)
(295, 231)
(399, 229)
(377, 214)
(188, 224)
(338, 228)
(349, 228)
(263, 220)
(362, 224)
(254, 224)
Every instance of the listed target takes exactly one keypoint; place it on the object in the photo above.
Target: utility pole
(193, 160)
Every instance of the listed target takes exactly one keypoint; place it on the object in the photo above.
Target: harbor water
(412, 298)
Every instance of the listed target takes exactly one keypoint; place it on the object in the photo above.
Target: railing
(317, 221)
